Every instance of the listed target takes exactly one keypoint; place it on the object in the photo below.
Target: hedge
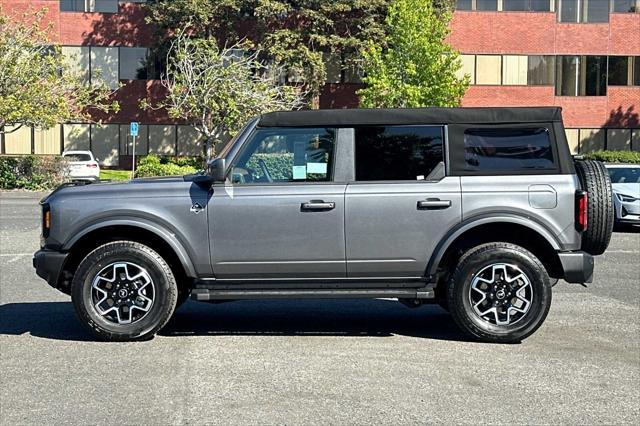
(152, 165)
(280, 166)
(632, 157)
(31, 172)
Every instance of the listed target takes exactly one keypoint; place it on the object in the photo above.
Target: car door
(401, 203)
(281, 213)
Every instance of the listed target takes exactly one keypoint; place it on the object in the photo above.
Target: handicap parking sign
(133, 130)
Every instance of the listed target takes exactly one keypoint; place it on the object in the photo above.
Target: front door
(401, 204)
(281, 216)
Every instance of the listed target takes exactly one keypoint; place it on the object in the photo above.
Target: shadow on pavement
(369, 318)
(626, 228)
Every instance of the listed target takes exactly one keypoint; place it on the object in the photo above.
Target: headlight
(626, 198)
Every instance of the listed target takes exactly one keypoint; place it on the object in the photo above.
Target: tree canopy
(415, 66)
(38, 87)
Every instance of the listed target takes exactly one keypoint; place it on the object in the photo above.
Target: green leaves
(38, 88)
(417, 68)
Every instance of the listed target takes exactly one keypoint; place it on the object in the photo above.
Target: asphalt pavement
(315, 361)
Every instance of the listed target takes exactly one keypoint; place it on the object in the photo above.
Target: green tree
(415, 67)
(217, 89)
(38, 87)
(297, 34)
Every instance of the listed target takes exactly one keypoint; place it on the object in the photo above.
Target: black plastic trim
(578, 266)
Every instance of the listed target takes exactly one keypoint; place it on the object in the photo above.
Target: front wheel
(499, 292)
(124, 291)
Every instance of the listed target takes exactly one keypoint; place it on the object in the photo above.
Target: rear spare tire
(594, 179)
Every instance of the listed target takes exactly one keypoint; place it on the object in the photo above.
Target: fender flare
(476, 221)
(160, 231)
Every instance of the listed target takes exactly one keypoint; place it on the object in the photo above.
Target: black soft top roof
(409, 116)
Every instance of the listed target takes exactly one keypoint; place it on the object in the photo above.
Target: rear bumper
(48, 265)
(577, 266)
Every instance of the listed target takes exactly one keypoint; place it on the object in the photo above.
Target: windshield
(78, 157)
(625, 175)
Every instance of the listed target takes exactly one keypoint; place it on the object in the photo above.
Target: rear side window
(398, 152)
(507, 149)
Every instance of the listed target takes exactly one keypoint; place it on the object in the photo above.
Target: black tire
(594, 179)
(472, 263)
(138, 255)
(183, 295)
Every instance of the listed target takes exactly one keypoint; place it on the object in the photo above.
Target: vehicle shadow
(368, 318)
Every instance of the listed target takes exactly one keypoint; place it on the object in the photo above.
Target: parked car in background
(625, 181)
(82, 165)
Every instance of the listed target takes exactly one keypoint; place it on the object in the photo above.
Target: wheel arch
(508, 228)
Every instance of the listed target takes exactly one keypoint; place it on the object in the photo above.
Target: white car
(82, 165)
(625, 181)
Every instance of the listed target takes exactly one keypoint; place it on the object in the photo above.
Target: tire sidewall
(163, 304)
(540, 284)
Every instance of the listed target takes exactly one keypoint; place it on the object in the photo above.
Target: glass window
(507, 149)
(286, 155)
(619, 70)
(541, 6)
(584, 11)
(463, 4)
(624, 6)
(636, 71)
(77, 59)
(569, 11)
(77, 157)
(104, 65)
(486, 4)
(488, 69)
(514, 70)
(397, 152)
(527, 5)
(541, 70)
(133, 63)
(105, 6)
(625, 174)
(581, 76)
(468, 67)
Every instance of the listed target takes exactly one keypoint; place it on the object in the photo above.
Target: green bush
(152, 165)
(31, 172)
(280, 165)
(632, 157)
(195, 162)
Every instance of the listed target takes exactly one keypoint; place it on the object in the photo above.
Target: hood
(630, 189)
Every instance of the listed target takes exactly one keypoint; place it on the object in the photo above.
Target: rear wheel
(124, 291)
(594, 179)
(499, 292)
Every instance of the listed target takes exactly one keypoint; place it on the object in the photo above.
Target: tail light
(581, 210)
(92, 165)
(46, 220)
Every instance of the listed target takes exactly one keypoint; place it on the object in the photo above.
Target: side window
(399, 153)
(507, 149)
(286, 155)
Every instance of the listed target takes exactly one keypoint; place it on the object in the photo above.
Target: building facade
(582, 55)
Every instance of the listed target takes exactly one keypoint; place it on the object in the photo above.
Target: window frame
(445, 156)
(457, 157)
(334, 178)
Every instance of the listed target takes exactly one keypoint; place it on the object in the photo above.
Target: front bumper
(48, 265)
(577, 266)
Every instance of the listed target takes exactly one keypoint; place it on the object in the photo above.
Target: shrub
(31, 172)
(614, 156)
(279, 165)
(195, 162)
(151, 165)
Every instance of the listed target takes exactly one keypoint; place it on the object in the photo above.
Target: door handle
(433, 204)
(317, 205)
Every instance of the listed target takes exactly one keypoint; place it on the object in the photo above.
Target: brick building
(583, 55)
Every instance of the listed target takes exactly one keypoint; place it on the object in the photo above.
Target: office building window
(486, 4)
(636, 71)
(463, 4)
(514, 70)
(527, 5)
(468, 67)
(581, 76)
(104, 65)
(625, 6)
(104, 6)
(541, 70)
(619, 73)
(488, 69)
(134, 63)
(584, 11)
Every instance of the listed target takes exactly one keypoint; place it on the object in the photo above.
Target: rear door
(401, 203)
(282, 214)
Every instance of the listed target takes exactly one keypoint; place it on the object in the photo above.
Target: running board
(208, 294)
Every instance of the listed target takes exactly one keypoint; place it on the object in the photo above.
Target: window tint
(507, 149)
(133, 63)
(463, 4)
(624, 6)
(527, 5)
(618, 70)
(286, 155)
(77, 157)
(624, 175)
(486, 4)
(541, 70)
(581, 76)
(397, 152)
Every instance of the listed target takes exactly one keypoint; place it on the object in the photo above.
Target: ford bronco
(480, 210)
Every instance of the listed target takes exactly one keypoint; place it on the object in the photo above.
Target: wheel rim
(123, 292)
(501, 294)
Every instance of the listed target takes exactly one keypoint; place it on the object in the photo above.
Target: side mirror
(216, 169)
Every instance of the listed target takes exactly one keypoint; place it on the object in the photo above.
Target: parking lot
(315, 361)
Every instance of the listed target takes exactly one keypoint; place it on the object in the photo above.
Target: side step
(207, 294)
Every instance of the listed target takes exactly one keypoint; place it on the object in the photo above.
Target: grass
(115, 174)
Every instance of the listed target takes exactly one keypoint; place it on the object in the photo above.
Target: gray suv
(480, 210)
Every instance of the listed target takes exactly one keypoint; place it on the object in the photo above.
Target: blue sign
(133, 130)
